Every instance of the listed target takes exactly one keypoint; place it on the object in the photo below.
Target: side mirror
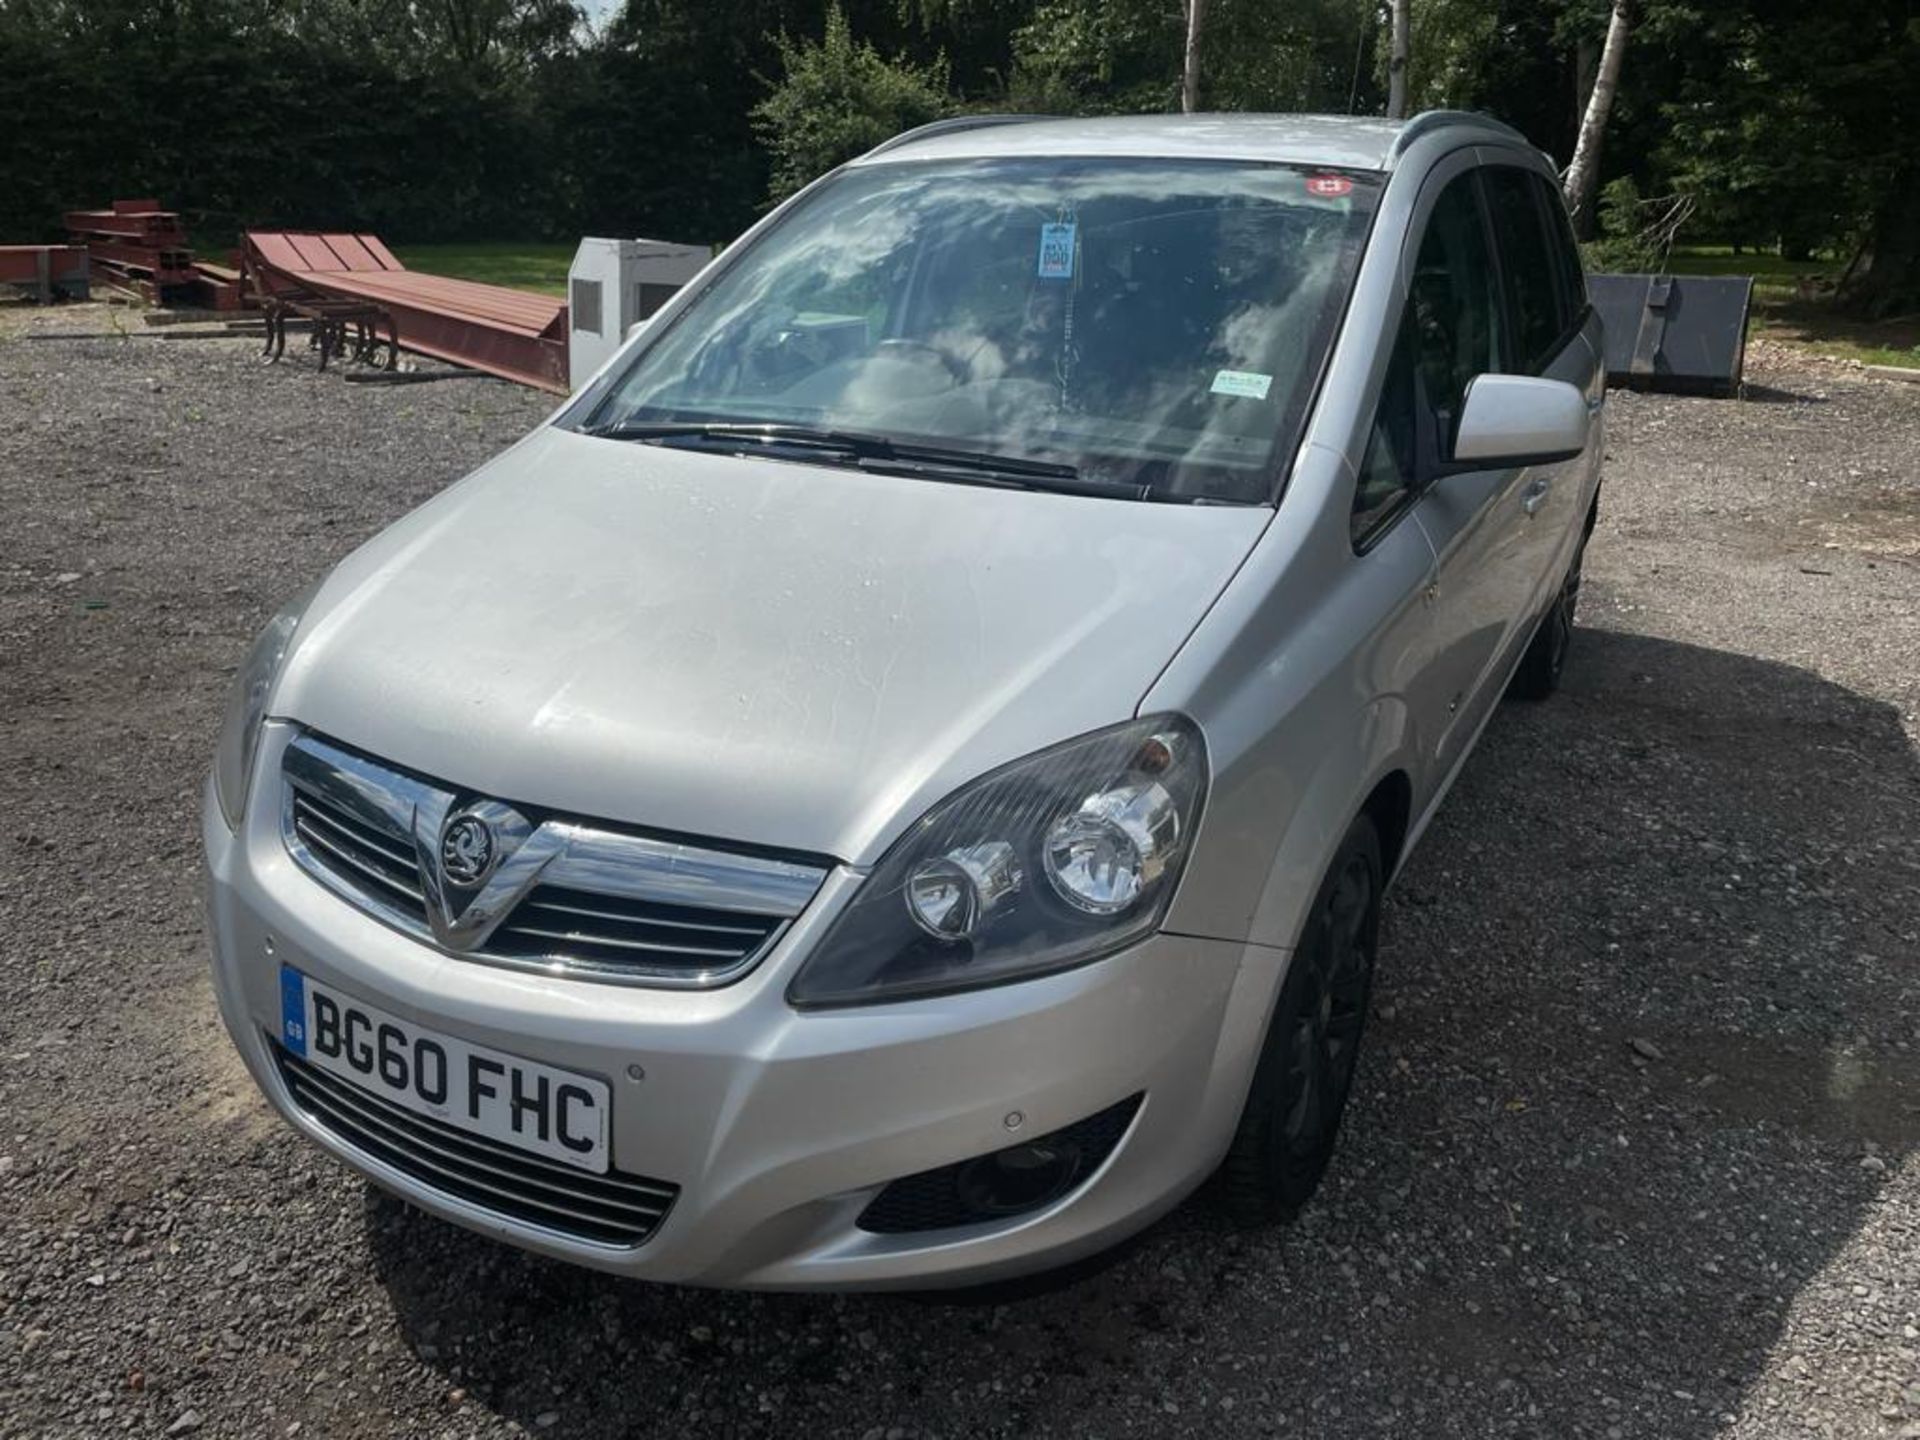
(634, 329)
(1512, 420)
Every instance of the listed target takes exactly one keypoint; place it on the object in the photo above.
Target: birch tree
(1397, 60)
(1583, 175)
(1190, 68)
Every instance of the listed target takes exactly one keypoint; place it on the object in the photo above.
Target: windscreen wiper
(970, 467)
(882, 455)
(771, 432)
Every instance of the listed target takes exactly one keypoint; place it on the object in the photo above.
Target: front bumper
(779, 1126)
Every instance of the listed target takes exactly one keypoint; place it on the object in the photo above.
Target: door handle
(1535, 495)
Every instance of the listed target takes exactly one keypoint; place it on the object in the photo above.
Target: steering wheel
(921, 353)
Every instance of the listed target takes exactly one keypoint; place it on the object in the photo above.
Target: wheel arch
(1390, 806)
(1300, 862)
(1383, 791)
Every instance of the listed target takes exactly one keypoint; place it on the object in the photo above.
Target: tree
(1402, 23)
(1759, 121)
(1190, 60)
(1856, 68)
(1761, 157)
(1098, 57)
(1301, 55)
(975, 36)
(1101, 57)
(840, 97)
(488, 40)
(1583, 175)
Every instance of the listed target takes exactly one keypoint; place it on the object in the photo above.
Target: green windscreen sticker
(1250, 384)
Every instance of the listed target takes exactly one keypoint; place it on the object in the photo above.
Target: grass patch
(1775, 281)
(541, 268)
(1793, 302)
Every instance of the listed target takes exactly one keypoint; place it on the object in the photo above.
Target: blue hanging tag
(1056, 251)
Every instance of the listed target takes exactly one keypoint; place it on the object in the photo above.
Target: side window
(1452, 329)
(1573, 275)
(1387, 473)
(1453, 303)
(1533, 284)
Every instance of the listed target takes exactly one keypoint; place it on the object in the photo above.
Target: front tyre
(1546, 658)
(1299, 1091)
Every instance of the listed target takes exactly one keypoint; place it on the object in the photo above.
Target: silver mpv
(893, 784)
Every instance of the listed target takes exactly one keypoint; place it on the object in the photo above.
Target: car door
(1457, 323)
(1546, 306)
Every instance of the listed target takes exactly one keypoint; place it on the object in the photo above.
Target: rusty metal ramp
(514, 334)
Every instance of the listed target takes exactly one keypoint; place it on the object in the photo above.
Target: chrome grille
(613, 930)
(359, 852)
(609, 1209)
(567, 896)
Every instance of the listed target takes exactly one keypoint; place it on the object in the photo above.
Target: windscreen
(1159, 325)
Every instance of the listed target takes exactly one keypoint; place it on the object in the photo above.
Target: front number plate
(533, 1107)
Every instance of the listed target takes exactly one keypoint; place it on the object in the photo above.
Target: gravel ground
(1630, 1153)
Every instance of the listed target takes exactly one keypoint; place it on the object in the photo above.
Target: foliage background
(1782, 123)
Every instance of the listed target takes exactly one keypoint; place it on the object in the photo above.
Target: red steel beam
(132, 284)
(157, 226)
(21, 264)
(218, 287)
(167, 266)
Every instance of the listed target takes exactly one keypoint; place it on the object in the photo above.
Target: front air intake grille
(1005, 1183)
(616, 931)
(556, 894)
(610, 1209)
(362, 854)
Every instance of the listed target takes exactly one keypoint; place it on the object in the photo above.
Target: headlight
(247, 707)
(1053, 861)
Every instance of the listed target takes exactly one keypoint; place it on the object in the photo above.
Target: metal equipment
(46, 270)
(218, 287)
(137, 246)
(1685, 334)
(353, 288)
(613, 284)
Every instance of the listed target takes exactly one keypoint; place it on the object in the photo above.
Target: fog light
(1001, 1183)
(1024, 1177)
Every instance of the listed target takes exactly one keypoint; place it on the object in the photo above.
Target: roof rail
(953, 124)
(1428, 121)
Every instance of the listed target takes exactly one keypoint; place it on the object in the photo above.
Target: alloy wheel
(1561, 619)
(1323, 1039)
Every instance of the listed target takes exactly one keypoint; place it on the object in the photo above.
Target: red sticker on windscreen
(1329, 186)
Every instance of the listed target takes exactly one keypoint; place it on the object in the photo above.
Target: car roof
(1347, 142)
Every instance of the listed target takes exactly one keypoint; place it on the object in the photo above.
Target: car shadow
(1641, 1060)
